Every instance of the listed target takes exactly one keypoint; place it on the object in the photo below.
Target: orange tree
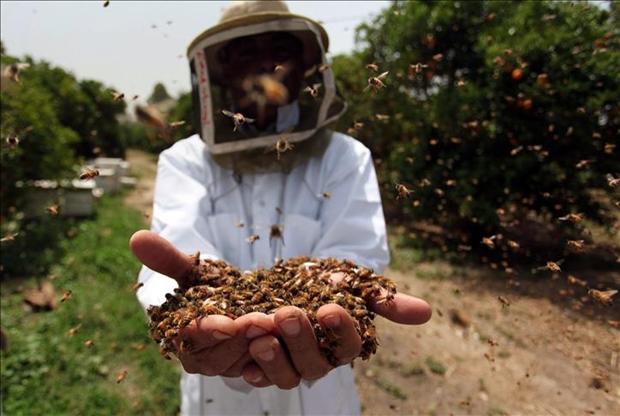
(512, 112)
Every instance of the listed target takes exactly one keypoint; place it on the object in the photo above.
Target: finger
(158, 254)
(301, 343)
(271, 358)
(253, 375)
(236, 369)
(403, 309)
(207, 331)
(334, 318)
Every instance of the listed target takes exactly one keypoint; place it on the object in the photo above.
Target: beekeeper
(223, 192)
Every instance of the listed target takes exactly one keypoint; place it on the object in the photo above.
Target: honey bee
(553, 266)
(12, 140)
(376, 83)
(240, 224)
(574, 218)
(71, 332)
(313, 90)
(488, 241)
(12, 71)
(513, 245)
(121, 376)
(323, 68)
(66, 296)
(382, 117)
(89, 173)
(504, 301)
(373, 67)
(238, 118)
(460, 83)
(106, 3)
(89, 343)
(358, 125)
(611, 181)
(602, 296)
(135, 97)
(175, 124)
(137, 286)
(53, 210)
(438, 57)
(576, 245)
(8, 237)
(282, 145)
(254, 237)
(582, 163)
(276, 231)
(279, 68)
(117, 96)
(417, 68)
(402, 191)
(575, 281)
(326, 195)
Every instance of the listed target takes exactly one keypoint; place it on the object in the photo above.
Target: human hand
(304, 360)
(218, 344)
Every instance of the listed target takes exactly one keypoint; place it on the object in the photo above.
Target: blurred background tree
(503, 117)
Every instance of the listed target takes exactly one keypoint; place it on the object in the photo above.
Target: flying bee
(240, 224)
(358, 125)
(135, 97)
(237, 118)
(71, 332)
(373, 67)
(117, 96)
(488, 241)
(376, 83)
(402, 191)
(89, 173)
(575, 281)
(66, 295)
(575, 245)
(513, 245)
(574, 218)
(504, 301)
(313, 90)
(417, 68)
(438, 57)
(460, 83)
(121, 376)
(53, 210)
(251, 239)
(582, 163)
(602, 296)
(89, 343)
(611, 181)
(323, 68)
(8, 237)
(175, 124)
(382, 117)
(106, 3)
(137, 286)
(326, 195)
(276, 231)
(282, 145)
(12, 71)
(12, 140)
(553, 266)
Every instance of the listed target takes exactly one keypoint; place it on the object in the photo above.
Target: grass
(46, 372)
(435, 366)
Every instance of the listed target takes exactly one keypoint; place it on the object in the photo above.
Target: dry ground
(541, 355)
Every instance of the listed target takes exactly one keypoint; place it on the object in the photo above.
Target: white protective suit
(198, 206)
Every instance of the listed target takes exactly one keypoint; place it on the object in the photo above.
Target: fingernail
(290, 326)
(332, 321)
(266, 355)
(255, 378)
(255, 331)
(221, 335)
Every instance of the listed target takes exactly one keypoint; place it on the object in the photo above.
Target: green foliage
(513, 96)
(182, 111)
(44, 371)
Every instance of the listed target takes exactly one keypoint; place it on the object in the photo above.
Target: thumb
(160, 255)
(403, 309)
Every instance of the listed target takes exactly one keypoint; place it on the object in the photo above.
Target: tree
(511, 112)
(159, 94)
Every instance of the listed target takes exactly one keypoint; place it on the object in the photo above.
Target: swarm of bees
(215, 287)
(237, 118)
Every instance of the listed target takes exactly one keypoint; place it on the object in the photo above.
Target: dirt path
(541, 355)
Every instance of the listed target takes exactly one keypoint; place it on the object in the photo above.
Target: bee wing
(249, 120)
(383, 75)
(316, 86)
(228, 113)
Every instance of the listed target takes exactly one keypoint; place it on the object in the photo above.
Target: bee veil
(300, 114)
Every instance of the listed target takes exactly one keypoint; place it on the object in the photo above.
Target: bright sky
(118, 46)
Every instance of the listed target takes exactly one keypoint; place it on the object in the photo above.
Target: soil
(549, 351)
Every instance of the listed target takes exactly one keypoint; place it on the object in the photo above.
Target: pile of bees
(215, 287)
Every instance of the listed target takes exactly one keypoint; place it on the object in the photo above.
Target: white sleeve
(352, 221)
(180, 191)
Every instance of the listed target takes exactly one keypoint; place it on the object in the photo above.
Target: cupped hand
(295, 354)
